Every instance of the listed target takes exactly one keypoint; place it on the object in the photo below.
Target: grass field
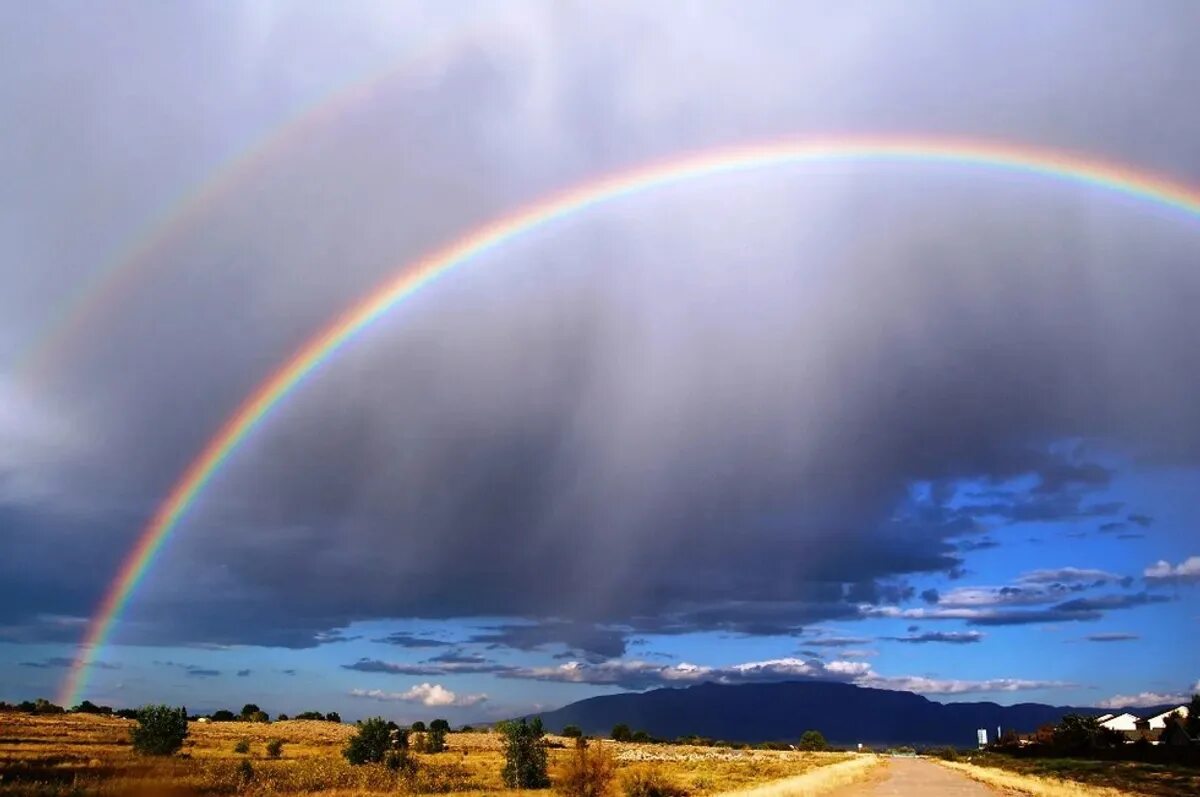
(1052, 777)
(85, 754)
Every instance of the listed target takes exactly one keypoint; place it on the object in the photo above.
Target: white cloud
(1067, 575)
(1186, 571)
(646, 675)
(427, 694)
(1143, 699)
(935, 686)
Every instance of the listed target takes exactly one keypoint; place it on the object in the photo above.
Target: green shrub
(224, 715)
(524, 754)
(275, 748)
(572, 732)
(621, 733)
(812, 741)
(242, 747)
(160, 730)
(246, 771)
(370, 744)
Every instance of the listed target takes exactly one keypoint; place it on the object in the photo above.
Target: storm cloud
(702, 409)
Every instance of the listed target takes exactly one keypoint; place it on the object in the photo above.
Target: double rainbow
(1053, 165)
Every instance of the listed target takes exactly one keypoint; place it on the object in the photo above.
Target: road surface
(912, 776)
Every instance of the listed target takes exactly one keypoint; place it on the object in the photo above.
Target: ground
(83, 754)
(1126, 777)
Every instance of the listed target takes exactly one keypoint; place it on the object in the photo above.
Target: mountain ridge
(846, 714)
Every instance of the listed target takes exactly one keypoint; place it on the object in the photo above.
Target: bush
(649, 782)
(401, 761)
(242, 746)
(246, 771)
(275, 748)
(418, 727)
(621, 733)
(160, 730)
(333, 716)
(259, 716)
(127, 713)
(589, 772)
(641, 737)
(524, 754)
(310, 715)
(370, 744)
(572, 732)
(435, 740)
(224, 715)
(249, 709)
(812, 741)
(282, 718)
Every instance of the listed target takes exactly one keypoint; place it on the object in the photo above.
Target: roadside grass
(54, 756)
(1067, 777)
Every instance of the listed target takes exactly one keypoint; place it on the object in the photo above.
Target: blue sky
(912, 426)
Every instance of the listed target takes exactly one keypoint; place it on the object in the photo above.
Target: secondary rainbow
(1055, 165)
(50, 346)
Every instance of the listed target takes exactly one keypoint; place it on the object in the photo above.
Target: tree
(621, 733)
(160, 730)
(370, 744)
(524, 754)
(813, 741)
(418, 727)
(435, 738)
(259, 716)
(333, 716)
(1192, 723)
(589, 772)
(224, 715)
(641, 737)
(275, 748)
(572, 732)
(249, 709)
(282, 718)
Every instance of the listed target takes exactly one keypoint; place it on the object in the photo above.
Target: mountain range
(844, 713)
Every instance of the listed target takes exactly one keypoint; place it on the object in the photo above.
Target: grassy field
(84, 754)
(1051, 777)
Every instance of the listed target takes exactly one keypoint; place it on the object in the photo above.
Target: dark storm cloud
(1111, 637)
(698, 410)
(410, 641)
(428, 668)
(243, 673)
(952, 637)
(59, 662)
(584, 637)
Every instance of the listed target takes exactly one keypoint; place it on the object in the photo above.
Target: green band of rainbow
(1055, 165)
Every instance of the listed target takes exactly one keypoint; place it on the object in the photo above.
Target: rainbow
(1054, 165)
(50, 346)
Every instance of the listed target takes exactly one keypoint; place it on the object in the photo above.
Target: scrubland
(80, 754)
(1070, 777)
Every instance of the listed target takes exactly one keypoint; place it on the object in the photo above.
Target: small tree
(370, 744)
(812, 741)
(589, 772)
(333, 716)
(275, 748)
(435, 737)
(282, 718)
(242, 747)
(249, 710)
(572, 732)
(621, 733)
(224, 715)
(524, 754)
(259, 716)
(418, 727)
(160, 730)
(641, 736)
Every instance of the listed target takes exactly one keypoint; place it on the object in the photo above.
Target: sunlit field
(87, 754)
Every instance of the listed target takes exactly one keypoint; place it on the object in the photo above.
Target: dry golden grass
(819, 781)
(1038, 786)
(85, 755)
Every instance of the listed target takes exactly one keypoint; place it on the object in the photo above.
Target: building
(1120, 722)
(1159, 721)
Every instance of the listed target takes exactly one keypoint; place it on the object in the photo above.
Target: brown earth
(916, 778)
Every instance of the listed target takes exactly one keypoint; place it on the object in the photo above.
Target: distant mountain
(844, 713)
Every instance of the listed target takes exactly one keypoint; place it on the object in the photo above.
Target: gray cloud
(952, 637)
(1111, 637)
(598, 418)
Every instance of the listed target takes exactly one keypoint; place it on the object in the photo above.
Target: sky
(909, 426)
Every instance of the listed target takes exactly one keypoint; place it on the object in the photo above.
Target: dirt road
(912, 776)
